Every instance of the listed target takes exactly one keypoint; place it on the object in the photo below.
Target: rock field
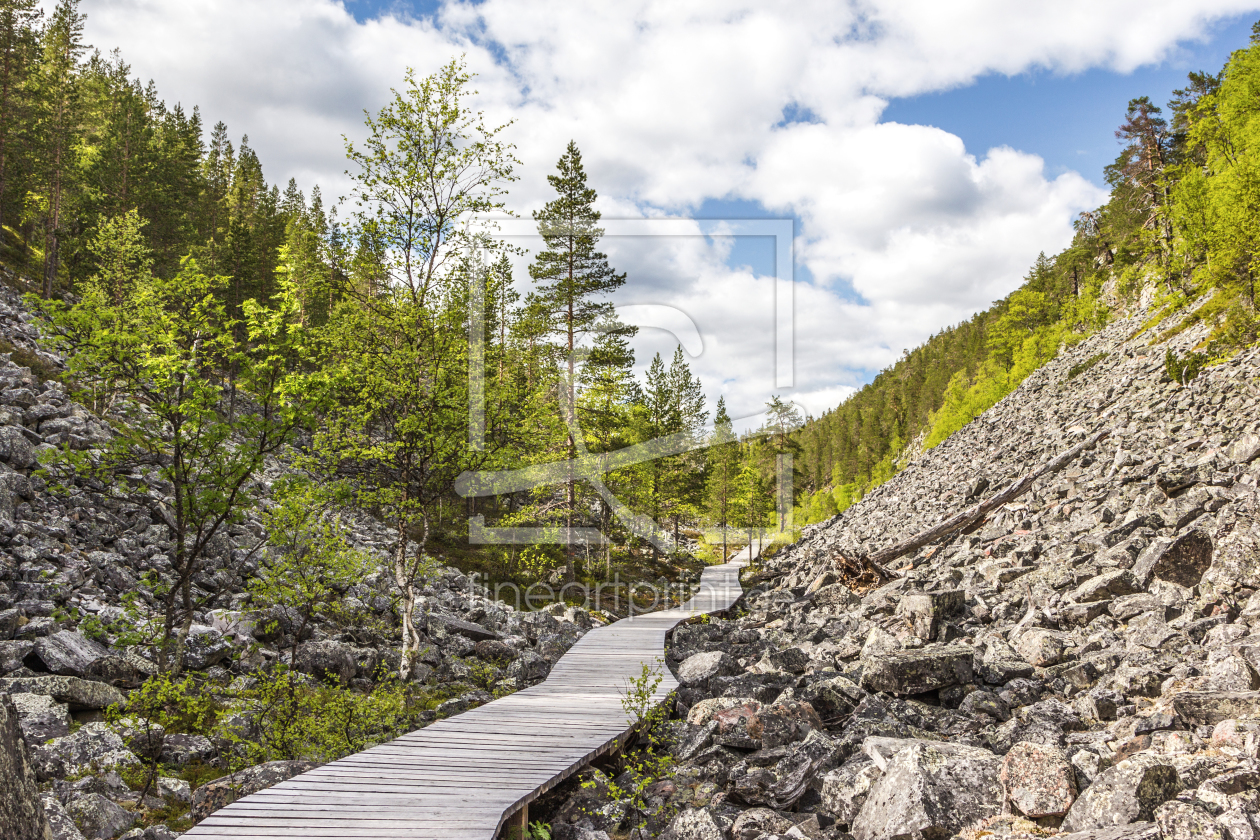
(1082, 663)
(66, 559)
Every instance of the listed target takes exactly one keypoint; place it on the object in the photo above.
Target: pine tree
(723, 472)
(18, 42)
(59, 125)
(572, 277)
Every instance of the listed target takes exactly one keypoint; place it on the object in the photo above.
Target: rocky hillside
(67, 561)
(1082, 662)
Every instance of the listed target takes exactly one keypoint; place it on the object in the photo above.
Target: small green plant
(1080, 367)
(293, 717)
(650, 758)
(1184, 369)
(160, 706)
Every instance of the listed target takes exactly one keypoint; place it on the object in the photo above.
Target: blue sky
(912, 162)
(1069, 120)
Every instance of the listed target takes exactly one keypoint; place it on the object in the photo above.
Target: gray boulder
(793, 660)
(699, 668)
(79, 695)
(844, 790)
(63, 827)
(1181, 561)
(758, 822)
(21, 812)
(1245, 449)
(439, 624)
(95, 745)
(528, 668)
(931, 789)
(41, 717)
(695, 824)
(1211, 707)
(1186, 821)
(65, 653)
(15, 449)
(1106, 586)
(180, 748)
(918, 671)
(329, 660)
(98, 818)
(928, 611)
(834, 699)
(1131, 791)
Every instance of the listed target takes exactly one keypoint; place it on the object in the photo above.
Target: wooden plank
(461, 777)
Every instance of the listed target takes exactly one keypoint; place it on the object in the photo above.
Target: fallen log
(879, 560)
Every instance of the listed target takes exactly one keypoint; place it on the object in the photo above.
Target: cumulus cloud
(903, 229)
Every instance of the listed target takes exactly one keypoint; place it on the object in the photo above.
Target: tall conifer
(573, 277)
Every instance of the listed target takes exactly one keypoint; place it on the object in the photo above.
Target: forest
(222, 322)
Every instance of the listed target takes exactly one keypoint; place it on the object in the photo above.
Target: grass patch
(1080, 367)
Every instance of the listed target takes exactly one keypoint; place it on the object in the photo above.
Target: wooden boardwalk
(463, 777)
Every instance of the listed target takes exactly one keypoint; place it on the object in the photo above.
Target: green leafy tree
(161, 355)
(310, 563)
(396, 373)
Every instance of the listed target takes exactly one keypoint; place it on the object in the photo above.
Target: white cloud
(903, 229)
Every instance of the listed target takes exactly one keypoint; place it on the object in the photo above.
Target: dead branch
(879, 560)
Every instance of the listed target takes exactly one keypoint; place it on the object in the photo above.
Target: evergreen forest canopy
(219, 321)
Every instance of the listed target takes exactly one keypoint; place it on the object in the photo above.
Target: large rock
(928, 611)
(783, 724)
(329, 660)
(115, 670)
(222, 792)
(844, 790)
(41, 717)
(1208, 708)
(63, 827)
(836, 595)
(759, 822)
(918, 671)
(99, 818)
(1186, 821)
(94, 746)
(931, 789)
(1106, 586)
(1038, 780)
(21, 812)
(834, 699)
(700, 667)
(695, 824)
(15, 449)
(80, 695)
(1041, 647)
(65, 653)
(1181, 561)
(439, 624)
(1131, 791)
